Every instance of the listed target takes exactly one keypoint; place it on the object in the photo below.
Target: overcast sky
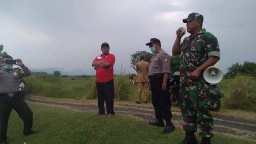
(67, 34)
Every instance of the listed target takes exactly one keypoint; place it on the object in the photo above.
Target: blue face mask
(7, 67)
(153, 50)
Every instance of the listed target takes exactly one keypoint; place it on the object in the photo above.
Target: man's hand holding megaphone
(213, 74)
(204, 68)
(195, 74)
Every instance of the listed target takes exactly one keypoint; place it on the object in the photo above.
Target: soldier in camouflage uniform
(197, 52)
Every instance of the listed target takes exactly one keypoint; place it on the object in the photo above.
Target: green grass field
(63, 126)
(73, 88)
(58, 87)
(83, 88)
(57, 125)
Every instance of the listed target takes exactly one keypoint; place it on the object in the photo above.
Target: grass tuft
(241, 94)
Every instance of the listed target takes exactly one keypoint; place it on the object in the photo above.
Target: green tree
(175, 60)
(56, 73)
(1, 51)
(175, 63)
(248, 68)
(1, 47)
(136, 57)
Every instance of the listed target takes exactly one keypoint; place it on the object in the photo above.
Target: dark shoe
(206, 141)
(190, 139)
(29, 132)
(157, 123)
(168, 128)
(4, 142)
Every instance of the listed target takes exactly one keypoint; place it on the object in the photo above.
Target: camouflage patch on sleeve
(214, 53)
(211, 44)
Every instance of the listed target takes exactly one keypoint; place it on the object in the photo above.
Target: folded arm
(102, 63)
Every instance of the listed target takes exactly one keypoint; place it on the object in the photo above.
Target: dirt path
(234, 126)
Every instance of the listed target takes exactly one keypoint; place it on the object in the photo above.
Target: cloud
(33, 35)
(179, 3)
(68, 34)
(13, 29)
(168, 17)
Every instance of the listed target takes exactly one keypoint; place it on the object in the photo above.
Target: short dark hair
(105, 44)
(142, 57)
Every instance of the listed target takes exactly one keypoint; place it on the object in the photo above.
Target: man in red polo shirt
(103, 64)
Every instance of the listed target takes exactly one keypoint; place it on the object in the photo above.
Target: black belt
(11, 94)
(157, 75)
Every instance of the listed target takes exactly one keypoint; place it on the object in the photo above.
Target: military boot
(189, 139)
(26, 133)
(156, 122)
(168, 128)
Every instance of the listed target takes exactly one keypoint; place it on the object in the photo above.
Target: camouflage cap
(194, 16)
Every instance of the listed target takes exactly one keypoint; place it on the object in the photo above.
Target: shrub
(121, 87)
(32, 85)
(56, 73)
(40, 74)
(92, 89)
(62, 87)
(57, 87)
(241, 93)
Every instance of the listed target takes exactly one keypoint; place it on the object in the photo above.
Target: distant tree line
(247, 68)
(58, 74)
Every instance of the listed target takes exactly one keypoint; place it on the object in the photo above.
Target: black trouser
(105, 93)
(160, 99)
(20, 106)
(176, 92)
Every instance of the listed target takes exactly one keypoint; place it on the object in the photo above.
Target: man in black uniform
(159, 70)
(11, 95)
